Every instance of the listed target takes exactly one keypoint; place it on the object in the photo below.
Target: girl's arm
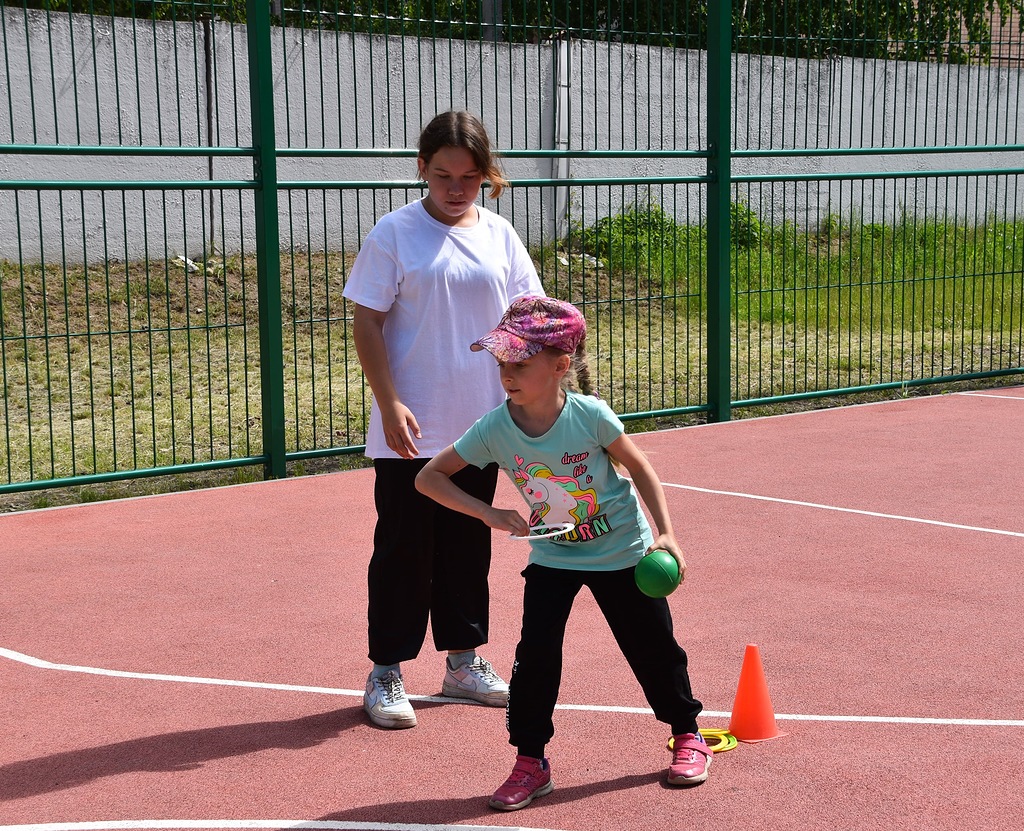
(399, 422)
(652, 493)
(435, 481)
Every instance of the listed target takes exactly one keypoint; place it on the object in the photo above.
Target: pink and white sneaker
(529, 779)
(691, 760)
(476, 680)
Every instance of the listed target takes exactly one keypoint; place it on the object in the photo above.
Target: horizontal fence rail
(749, 205)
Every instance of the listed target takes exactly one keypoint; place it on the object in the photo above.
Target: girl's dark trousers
(428, 562)
(642, 627)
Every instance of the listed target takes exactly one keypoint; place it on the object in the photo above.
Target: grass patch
(126, 366)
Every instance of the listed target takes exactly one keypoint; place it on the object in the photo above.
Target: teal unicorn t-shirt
(566, 475)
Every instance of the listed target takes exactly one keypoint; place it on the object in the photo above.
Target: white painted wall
(77, 80)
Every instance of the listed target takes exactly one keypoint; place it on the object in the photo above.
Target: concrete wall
(93, 81)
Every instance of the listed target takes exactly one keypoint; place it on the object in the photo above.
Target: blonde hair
(458, 128)
(577, 379)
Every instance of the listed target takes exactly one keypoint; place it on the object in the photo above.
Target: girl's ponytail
(577, 379)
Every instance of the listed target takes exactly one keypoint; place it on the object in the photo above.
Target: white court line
(990, 395)
(178, 679)
(274, 825)
(847, 510)
(976, 722)
(591, 708)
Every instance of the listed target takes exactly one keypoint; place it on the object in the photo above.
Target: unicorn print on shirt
(553, 499)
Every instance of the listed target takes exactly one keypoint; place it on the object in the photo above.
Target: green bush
(744, 226)
(643, 240)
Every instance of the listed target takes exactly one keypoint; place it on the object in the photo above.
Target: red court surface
(196, 660)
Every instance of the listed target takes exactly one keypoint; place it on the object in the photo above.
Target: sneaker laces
(483, 668)
(684, 755)
(391, 686)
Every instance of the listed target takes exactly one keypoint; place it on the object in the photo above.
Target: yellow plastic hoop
(724, 740)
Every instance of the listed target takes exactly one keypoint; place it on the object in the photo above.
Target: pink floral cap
(529, 325)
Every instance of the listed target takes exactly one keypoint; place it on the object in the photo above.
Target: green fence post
(719, 187)
(268, 261)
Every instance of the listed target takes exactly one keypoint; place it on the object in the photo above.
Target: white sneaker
(386, 703)
(476, 680)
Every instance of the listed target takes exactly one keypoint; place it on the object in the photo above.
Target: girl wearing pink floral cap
(560, 448)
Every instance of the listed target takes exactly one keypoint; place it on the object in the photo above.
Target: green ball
(657, 574)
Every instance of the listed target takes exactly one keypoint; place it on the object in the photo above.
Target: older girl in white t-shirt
(428, 277)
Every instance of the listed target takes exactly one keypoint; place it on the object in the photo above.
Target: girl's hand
(668, 543)
(400, 426)
(501, 520)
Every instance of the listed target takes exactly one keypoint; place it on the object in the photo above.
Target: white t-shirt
(442, 288)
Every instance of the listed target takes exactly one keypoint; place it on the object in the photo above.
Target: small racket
(541, 532)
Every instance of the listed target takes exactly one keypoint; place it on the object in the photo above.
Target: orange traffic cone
(753, 719)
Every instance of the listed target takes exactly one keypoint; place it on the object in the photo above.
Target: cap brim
(506, 347)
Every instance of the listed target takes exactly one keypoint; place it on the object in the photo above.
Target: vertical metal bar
(208, 87)
(189, 356)
(268, 265)
(23, 370)
(150, 359)
(108, 359)
(244, 314)
(561, 163)
(74, 78)
(4, 380)
(117, 83)
(719, 186)
(491, 14)
(10, 105)
(45, 330)
(292, 196)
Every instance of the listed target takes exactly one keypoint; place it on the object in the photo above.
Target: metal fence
(748, 205)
